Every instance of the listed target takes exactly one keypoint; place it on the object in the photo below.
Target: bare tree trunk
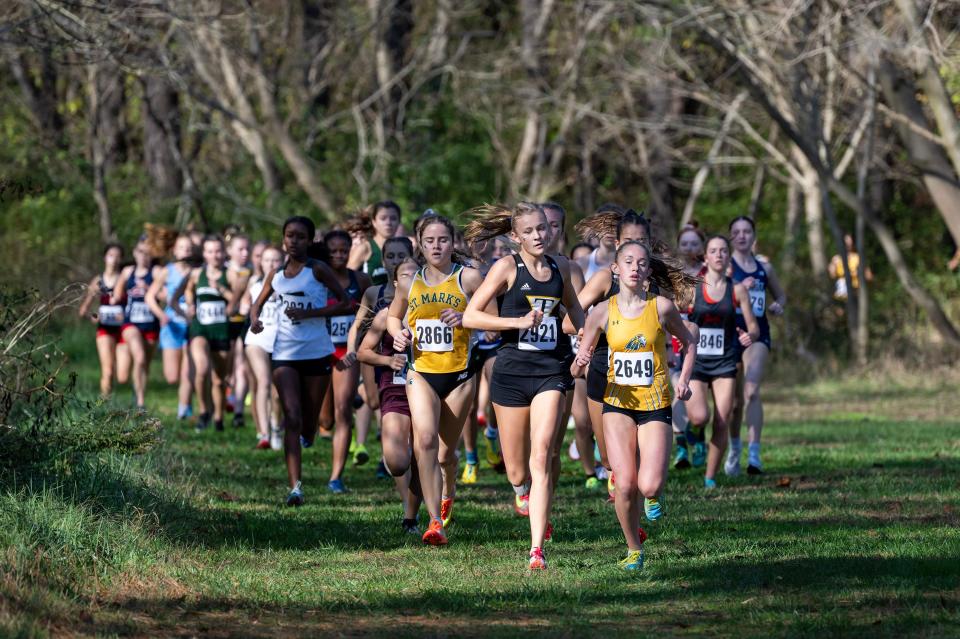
(929, 158)
(98, 156)
(813, 209)
(111, 125)
(39, 89)
(861, 346)
(790, 228)
(928, 78)
(161, 119)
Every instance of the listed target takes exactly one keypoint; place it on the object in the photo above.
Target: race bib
(140, 313)
(214, 312)
(400, 376)
(541, 338)
(111, 315)
(574, 343)
(758, 300)
(711, 341)
(339, 328)
(434, 336)
(633, 369)
(268, 314)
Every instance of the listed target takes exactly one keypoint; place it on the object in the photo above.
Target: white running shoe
(732, 464)
(573, 452)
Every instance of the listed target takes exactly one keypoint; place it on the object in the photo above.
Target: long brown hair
(666, 271)
(491, 220)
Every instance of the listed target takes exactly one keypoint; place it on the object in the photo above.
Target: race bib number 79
(433, 336)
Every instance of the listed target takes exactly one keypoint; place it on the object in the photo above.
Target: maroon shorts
(393, 399)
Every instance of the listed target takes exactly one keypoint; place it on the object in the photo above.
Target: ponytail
(667, 272)
(491, 220)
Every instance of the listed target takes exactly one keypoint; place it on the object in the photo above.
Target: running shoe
(446, 511)
(263, 443)
(469, 474)
(633, 560)
(218, 425)
(435, 535)
(521, 505)
(228, 405)
(548, 533)
(754, 470)
(754, 467)
(203, 422)
(537, 560)
(709, 484)
(653, 508)
(360, 455)
(611, 488)
(276, 438)
(731, 465)
(682, 460)
(304, 443)
(492, 447)
(642, 534)
(573, 452)
(481, 419)
(382, 472)
(699, 454)
(410, 527)
(295, 497)
(601, 472)
(592, 483)
(238, 420)
(336, 487)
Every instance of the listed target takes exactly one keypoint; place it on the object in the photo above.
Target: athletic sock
(522, 490)
(472, 457)
(735, 446)
(182, 410)
(754, 454)
(491, 433)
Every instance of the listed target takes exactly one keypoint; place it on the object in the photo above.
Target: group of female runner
(631, 337)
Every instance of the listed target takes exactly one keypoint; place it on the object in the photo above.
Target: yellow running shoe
(446, 511)
(469, 474)
(492, 448)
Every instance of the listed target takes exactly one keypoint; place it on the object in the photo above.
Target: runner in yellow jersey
(636, 402)
(440, 383)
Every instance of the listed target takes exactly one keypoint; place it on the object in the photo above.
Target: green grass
(853, 532)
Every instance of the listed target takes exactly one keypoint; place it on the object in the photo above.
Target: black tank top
(544, 351)
(717, 350)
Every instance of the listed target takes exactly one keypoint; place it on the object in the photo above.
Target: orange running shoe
(435, 536)
(537, 560)
(446, 511)
(642, 534)
(611, 486)
(548, 534)
(521, 505)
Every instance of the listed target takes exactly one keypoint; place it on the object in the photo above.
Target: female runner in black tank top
(337, 407)
(631, 227)
(531, 374)
(715, 370)
(109, 317)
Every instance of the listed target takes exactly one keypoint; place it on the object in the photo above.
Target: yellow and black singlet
(637, 376)
(437, 348)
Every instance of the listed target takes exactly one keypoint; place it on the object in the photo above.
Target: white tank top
(268, 316)
(303, 339)
(592, 266)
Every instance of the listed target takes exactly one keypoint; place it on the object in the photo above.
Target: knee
(696, 416)
(171, 377)
(540, 460)
(294, 423)
(751, 393)
(650, 486)
(397, 465)
(626, 487)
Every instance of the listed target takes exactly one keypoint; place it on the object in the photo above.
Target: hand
(190, 312)
(164, 320)
(775, 308)
(451, 318)
(744, 337)
(682, 389)
(348, 361)
(490, 336)
(748, 282)
(584, 355)
(256, 327)
(576, 369)
(296, 314)
(397, 362)
(531, 320)
(401, 341)
(94, 318)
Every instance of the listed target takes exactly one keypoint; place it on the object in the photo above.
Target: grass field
(853, 531)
